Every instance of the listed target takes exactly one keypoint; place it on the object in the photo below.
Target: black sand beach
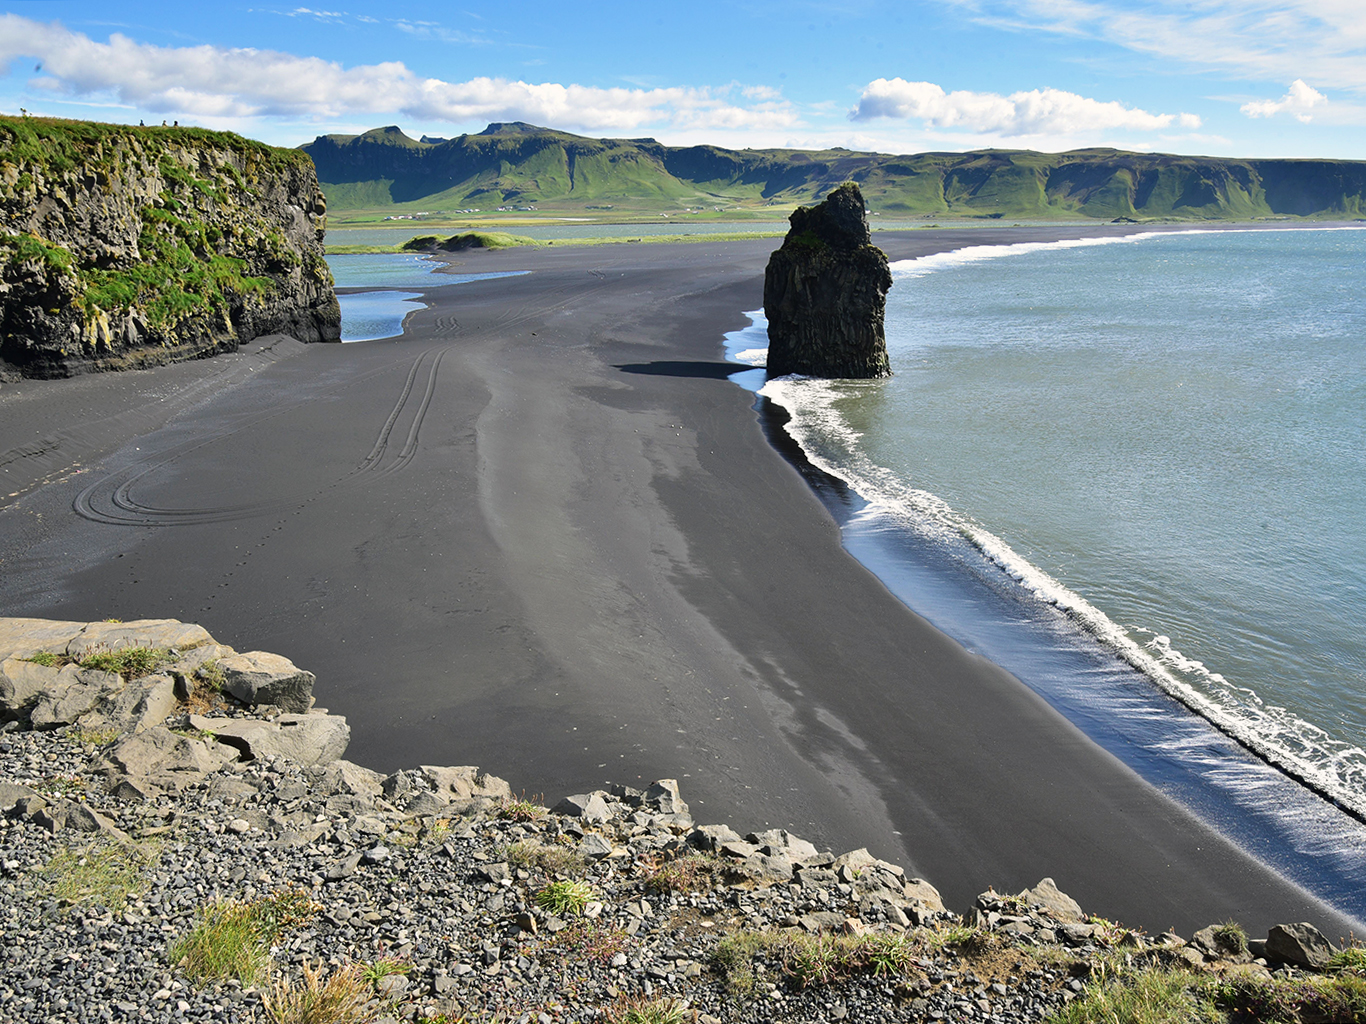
(543, 534)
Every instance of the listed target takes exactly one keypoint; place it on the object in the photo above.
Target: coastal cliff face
(825, 292)
(124, 246)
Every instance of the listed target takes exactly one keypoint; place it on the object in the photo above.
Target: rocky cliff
(125, 246)
(825, 292)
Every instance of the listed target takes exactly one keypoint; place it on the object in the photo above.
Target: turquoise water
(380, 311)
(1131, 470)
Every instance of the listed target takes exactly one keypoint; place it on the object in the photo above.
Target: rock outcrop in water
(825, 292)
(125, 246)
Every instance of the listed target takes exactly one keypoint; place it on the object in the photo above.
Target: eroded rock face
(123, 246)
(825, 292)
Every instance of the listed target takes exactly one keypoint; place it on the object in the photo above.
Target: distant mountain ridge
(518, 163)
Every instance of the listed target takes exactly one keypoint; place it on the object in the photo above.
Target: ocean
(1132, 471)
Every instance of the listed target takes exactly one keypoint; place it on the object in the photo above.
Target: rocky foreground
(158, 789)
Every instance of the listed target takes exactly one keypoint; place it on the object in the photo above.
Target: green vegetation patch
(466, 240)
(1144, 997)
(99, 876)
(564, 897)
(232, 939)
(522, 810)
(549, 860)
(47, 659)
(129, 662)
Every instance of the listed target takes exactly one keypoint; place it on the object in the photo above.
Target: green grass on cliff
(54, 145)
(192, 258)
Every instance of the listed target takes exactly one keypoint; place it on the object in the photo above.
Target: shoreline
(1264, 803)
(623, 582)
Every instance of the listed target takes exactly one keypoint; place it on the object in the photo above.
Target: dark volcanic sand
(543, 534)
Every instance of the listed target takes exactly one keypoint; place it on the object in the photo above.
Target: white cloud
(1262, 39)
(1032, 113)
(1299, 99)
(211, 81)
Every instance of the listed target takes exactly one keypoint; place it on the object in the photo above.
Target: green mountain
(521, 166)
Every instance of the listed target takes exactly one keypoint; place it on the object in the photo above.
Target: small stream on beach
(1132, 471)
(379, 312)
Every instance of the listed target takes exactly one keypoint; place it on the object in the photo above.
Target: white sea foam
(752, 356)
(1298, 747)
(919, 266)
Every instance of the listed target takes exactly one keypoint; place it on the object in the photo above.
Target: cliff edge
(127, 246)
(825, 292)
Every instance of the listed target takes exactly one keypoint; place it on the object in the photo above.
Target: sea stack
(825, 292)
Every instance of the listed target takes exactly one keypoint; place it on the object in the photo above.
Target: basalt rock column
(825, 292)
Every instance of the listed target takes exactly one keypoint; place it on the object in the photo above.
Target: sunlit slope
(522, 166)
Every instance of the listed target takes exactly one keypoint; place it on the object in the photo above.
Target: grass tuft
(1230, 936)
(129, 662)
(47, 659)
(521, 810)
(688, 873)
(1143, 997)
(102, 876)
(564, 897)
(1353, 958)
(340, 998)
(94, 737)
(232, 939)
(550, 860)
(639, 1011)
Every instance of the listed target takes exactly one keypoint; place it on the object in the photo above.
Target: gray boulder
(22, 683)
(73, 692)
(777, 842)
(1300, 944)
(589, 807)
(133, 707)
(466, 786)
(344, 778)
(157, 759)
(664, 797)
(10, 795)
(259, 677)
(709, 838)
(21, 638)
(1058, 904)
(95, 637)
(305, 739)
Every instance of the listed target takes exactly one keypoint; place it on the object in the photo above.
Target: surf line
(927, 515)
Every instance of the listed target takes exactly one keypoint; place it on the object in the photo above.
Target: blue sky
(1222, 77)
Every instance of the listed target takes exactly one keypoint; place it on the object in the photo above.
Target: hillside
(522, 166)
(123, 246)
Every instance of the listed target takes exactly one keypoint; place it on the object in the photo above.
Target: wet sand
(543, 534)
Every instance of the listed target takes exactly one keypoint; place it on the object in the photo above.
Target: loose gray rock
(259, 677)
(74, 692)
(588, 807)
(304, 739)
(1300, 944)
(1058, 904)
